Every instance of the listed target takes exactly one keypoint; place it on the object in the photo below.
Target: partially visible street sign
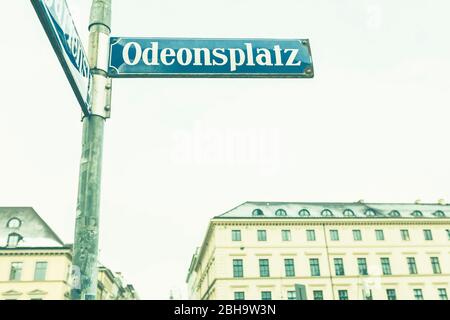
(210, 58)
(60, 28)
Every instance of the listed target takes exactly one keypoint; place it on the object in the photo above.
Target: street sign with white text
(210, 58)
(60, 28)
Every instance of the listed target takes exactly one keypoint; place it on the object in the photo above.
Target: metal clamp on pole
(99, 31)
(108, 97)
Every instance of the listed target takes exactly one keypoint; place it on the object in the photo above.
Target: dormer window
(304, 213)
(439, 213)
(13, 240)
(326, 213)
(417, 213)
(348, 213)
(281, 213)
(394, 213)
(370, 213)
(14, 223)
(257, 213)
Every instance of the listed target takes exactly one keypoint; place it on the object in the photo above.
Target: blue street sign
(210, 58)
(60, 28)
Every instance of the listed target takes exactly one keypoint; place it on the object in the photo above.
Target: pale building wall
(222, 250)
(55, 286)
(108, 288)
(34, 241)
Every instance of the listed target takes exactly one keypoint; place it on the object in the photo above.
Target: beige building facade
(36, 274)
(35, 264)
(337, 251)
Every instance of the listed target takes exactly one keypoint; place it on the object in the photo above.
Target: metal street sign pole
(85, 249)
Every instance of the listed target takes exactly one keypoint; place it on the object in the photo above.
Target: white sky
(373, 124)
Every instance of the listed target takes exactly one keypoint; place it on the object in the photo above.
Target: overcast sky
(373, 124)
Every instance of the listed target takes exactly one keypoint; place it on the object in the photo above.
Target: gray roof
(309, 210)
(35, 233)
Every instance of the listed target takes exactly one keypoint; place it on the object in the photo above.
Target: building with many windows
(336, 251)
(35, 264)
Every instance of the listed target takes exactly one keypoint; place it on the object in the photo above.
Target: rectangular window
(262, 235)
(339, 266)
(412, 267)
(40, 271)
(405, 234)
(442, 294)
(239, 295)
(418, 294)
(315, 268)
(386, 266)
(292, 295)
(266, 295)
(318, 294)
(236, 235)
(238, 268)
(286, 235)
(391, 294)
(289, 267)
(362, 266)
(448, 234)
(310, 235)
(379, 235)
(435, 265)
(13, 240)
(343, 294)
(427, 234)
(16, 271)
(357, 235)
(334, 235)
(264, 268)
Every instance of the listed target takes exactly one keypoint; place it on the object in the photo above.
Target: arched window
(370, 213)
(326, 213)
(257, 213)
(439, 213)
(348, 213)
(417, 213)
(14, 223)
(13, 240)
(304, 213)
(394, 213)
(281, 213)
